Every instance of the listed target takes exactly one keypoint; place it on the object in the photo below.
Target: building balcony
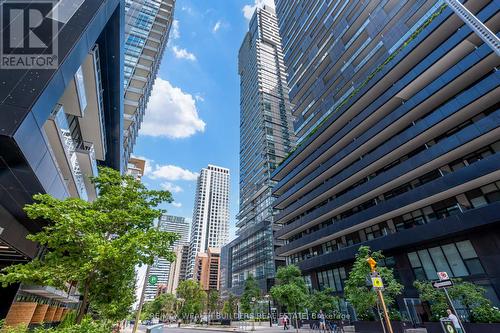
(88, 164)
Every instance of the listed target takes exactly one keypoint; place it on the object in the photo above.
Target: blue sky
(192, 118)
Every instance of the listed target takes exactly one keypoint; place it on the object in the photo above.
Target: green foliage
(471, 296)
(96, 245)
(362, 297)
(213, 301)
(193, 299)
(290, 289)
(251, 295)
(230, 306)
(323, 300)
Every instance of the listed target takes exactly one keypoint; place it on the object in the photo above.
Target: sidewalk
(140, 329)
(238, 329)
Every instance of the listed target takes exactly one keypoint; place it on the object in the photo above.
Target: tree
(96, 245)
(230, 306)
(212, 302)
(193, 298)
(323, 300)
(291, 290)
(250, 296)
(362, 296)
(471, 296)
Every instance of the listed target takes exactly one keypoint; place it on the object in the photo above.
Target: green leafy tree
(362, 297)
(230, 306)
(323, 300)
(96, 245)
(213, 302)
(168, 304)
(250, 296)
(471, 296)
(193, 299)
(291, 290)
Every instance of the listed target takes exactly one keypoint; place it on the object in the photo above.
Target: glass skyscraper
(147, 27)
(397, 110)
(266, 137)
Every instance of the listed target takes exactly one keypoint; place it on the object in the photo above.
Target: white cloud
(172, 173)
(183, 53)
(199, 98)
(171, 113)
(167, 186)
(248, 10)
(174, 30)
(177, 204)
(217, 26)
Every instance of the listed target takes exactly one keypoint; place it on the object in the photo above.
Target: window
(457, 259)
(332, 278)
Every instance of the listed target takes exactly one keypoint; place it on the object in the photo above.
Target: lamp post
(268, 298)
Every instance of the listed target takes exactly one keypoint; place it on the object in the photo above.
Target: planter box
(49, 315)
(435, 327)
(20, 313)
(376, 326)
(39, 315)
(58, 315)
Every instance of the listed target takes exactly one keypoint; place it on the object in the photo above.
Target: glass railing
(70, 146)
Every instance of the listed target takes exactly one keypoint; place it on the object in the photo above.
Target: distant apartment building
(162, 267)
(136, 167)
(178, 268)
(266, 138)
(207, 269)
(56, 125)
(147, 28)
(210, 225)
(398, 118)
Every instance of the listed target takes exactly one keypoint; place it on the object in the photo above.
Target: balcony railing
(70, 146)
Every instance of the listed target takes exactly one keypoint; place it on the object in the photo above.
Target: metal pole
(453, 309)
(270, 314)
(380, 317)
(384, 308)
(141, 301)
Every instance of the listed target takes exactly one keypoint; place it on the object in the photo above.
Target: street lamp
(253, 307)
(268, 298)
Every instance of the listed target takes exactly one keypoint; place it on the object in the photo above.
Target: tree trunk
(83, 307)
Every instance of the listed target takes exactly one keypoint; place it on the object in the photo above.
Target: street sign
(153, 279)
(442, 284)
(443, 276)
(448, 326)
(377, 282)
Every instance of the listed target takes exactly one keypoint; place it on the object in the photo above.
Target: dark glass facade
(266, 138)
(57, 124)
(399, 122)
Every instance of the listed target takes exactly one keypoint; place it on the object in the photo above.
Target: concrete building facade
(210, 226)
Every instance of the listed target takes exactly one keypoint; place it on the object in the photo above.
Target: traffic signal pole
(454, 310)
(380, 296)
